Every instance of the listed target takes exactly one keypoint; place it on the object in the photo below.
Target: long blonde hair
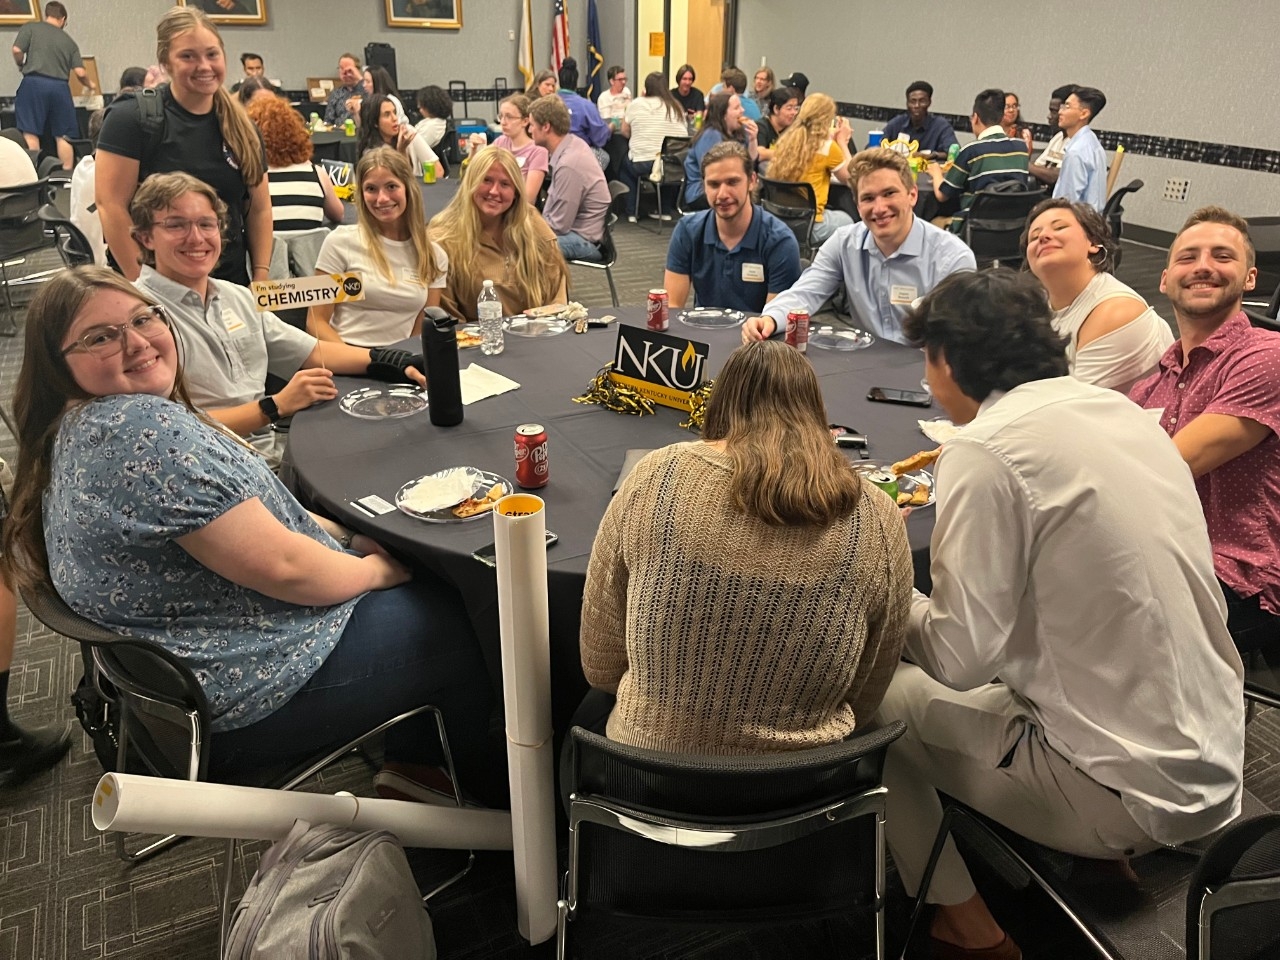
(801, 141)
(767, 407)
(396, 164)
(458, 229)
(238, 130)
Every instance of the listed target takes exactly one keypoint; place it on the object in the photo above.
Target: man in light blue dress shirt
(885, 262)
(1083, 177)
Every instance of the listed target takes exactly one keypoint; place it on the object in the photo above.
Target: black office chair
(796, 205)
(21, 233)
(739, 840)
(1233, 899)
(608, 252)
(672, 154)
(994, 222)
(1113, 212)
(1265, 314)
(70, 240)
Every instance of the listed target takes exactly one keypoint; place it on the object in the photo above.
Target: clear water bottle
(489, 311)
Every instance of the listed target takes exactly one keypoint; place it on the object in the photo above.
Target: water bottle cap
(488, 284)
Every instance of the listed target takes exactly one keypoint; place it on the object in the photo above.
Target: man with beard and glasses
(883, 263)
(1217, 393)
(737, 255)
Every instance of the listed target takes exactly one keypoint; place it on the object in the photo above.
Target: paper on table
(479, 383)
(440, 490)
(939, 431)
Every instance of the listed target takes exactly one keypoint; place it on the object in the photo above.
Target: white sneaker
(631, 218)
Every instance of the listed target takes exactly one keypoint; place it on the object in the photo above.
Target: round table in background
(333, 145)
(338, 459)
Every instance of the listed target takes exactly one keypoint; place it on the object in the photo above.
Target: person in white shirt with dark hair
(1071, 675)
(613, 103)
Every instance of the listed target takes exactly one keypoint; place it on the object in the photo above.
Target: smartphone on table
(911, 398)
(488, 554)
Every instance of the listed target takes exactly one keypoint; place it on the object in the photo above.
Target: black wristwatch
(269, 408)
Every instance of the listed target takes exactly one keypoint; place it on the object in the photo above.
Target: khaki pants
(982, 747)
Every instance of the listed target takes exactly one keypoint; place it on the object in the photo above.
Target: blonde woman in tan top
(747, 593)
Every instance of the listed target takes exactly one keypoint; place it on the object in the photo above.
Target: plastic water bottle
(314, 123)
(489, 311)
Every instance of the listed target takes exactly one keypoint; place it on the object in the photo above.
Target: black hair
(993, 328)
(436, 102)
(779, 97)
(1062, 92)
(252, 86)
(614, 71)
(1093, 98)
(133, 77)
(989, 106)
(569, 74)
(370, 133)
(249, 56)
(382, 82)
(924, 86)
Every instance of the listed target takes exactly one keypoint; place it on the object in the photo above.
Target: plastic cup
(875, 138)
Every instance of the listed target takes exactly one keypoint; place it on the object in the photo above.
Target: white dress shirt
(1070, 559)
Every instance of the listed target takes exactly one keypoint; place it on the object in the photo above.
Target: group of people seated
(1104, 459)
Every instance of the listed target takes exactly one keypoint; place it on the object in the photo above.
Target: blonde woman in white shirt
(649, 120)
(1114, 337)
(403, 271)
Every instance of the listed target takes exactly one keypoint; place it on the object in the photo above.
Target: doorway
(673, 32)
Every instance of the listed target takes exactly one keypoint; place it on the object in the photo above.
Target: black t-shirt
(692, 102)
(192, 143)
(766, 136)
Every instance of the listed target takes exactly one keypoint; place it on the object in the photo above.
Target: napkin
(939, 431)
(440, 490)
(478, 383)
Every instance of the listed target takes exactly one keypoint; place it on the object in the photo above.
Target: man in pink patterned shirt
(1218, 395)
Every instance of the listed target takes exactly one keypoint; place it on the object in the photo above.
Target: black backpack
(150, 114)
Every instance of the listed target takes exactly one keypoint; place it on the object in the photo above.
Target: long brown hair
(45, 393)
(237, 129)
(531, 91)
(767, 407)
(458, 229)
(801, 141)
(415, 215)
(655, 85)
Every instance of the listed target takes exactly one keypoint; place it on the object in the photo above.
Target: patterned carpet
(64, 895)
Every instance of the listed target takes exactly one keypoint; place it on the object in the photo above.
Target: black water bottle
(440, 348)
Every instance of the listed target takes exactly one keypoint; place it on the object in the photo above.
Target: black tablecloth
(333, 145)
(338, 458)
(435, 197)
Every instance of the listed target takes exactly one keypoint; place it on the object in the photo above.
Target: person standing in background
(47, 56)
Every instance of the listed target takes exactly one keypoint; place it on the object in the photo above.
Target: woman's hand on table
(388, 571)
(758, 328)
(313, 385)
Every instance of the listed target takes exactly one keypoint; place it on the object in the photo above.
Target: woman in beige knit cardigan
(747, 592)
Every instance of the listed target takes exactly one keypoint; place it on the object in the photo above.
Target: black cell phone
(912, 398)
(847, 436)
(488, 554)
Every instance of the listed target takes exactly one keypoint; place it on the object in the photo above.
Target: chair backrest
(72, 243)
(1233, 899)
(994, 221)
(673, 152)
(608, 252)
(303, 249)
(20, 228)
(1113, 212)
(810, 873)
(795, 204)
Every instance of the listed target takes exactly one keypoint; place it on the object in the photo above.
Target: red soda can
(798, 330)
(658, 310)
(533, 470)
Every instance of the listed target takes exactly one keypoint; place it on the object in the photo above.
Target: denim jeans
(832, 220)
(577, 247)
(402, 648)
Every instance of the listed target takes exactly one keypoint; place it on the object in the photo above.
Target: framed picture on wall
(18, 12)
(232, 13)
(432, 14)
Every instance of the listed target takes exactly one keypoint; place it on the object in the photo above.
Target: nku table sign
(306, 291)
(664, 368)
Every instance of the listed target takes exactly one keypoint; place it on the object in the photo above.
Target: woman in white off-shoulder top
(1115, 338)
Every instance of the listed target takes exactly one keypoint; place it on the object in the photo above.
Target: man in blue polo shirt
(933, 134)
(883, 263)
(737, 255)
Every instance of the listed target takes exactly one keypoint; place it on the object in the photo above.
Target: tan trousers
(983, 748)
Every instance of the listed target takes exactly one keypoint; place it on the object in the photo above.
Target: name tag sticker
(753, 273)
(233, 323)
(902, 294)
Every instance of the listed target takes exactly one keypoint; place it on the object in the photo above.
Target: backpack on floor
(328, 893)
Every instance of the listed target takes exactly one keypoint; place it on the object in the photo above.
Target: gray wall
(1175, 69)
(305, 37)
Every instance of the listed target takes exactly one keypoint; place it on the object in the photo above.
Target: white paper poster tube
(135, 804)
(519, 523)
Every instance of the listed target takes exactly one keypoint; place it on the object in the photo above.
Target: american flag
(559, 36)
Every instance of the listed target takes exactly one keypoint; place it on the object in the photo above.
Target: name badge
(902, 294)
(753, 273)
(233, 323)
(411, 276)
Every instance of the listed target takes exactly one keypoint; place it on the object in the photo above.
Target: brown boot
(1006, 949)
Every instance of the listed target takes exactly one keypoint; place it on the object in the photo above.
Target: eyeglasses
(106, 340)
(180, 227)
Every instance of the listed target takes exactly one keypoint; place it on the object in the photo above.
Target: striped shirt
(992, 158)
(297, 198)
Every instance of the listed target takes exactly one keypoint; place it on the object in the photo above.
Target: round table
(338, 459)
(333, 145)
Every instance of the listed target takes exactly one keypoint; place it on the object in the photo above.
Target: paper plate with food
(384, 402)
(453, 495)
(548, 321)
(907, 481)
(469, 336)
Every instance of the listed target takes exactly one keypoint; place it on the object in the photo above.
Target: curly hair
(1091, 222)
(435, 101)
(993, 328)
(801, 141)
(283, 133)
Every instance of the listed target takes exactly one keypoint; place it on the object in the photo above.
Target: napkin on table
(479, 383)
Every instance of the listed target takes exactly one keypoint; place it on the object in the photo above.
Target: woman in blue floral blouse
(149, 519)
